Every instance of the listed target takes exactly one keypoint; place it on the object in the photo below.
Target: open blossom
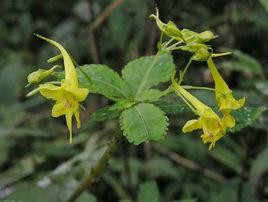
(224, 96)
(68, 95)
(213, 127)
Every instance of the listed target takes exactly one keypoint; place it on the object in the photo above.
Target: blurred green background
(36, 160)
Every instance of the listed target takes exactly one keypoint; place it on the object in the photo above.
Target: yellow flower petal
(79, 93)
(68, 117)
(228, 121)
(77, 118)
(211, 138)
(58, 109)
(191, 125)
(50, 91)
(242, 101)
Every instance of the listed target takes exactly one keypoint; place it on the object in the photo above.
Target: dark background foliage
(38, 164)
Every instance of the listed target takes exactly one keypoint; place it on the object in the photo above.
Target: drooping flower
(224, 96)
(213, 127)
(68, 95)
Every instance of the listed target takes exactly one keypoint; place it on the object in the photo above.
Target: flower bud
(201, 55)
(193, 47)
(55, 58)
(40, 74)
(188, 35)
(204, 36)
(170, 29)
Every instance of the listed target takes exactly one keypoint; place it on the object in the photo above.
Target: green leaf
(111, 112)
(103, 80)
(148, 192)
(146, 72)
(143, 122)
(246, 116)
(149, 95)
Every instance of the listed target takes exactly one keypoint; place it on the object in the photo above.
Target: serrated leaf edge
(132, 141)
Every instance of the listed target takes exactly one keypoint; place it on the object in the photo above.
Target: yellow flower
(213, 127)
(224, 96)
(68, 95)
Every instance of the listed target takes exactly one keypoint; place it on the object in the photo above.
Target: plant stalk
(97, 169)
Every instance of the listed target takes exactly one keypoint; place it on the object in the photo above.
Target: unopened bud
(40, 74)
(188, 35)
(201, 55)
(193, 47)
(55, 58)
(204, 36)
(170, 29)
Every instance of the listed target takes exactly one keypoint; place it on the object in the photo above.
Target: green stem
(97, 169)
(197, 88)
(220, 54)
(168, 42)
(174, 46)
(168, 90)
(184, 71)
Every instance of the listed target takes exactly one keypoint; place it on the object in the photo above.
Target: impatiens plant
(138, 96)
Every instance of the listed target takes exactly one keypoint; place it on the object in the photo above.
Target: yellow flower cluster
(67, 95)
(213, 127)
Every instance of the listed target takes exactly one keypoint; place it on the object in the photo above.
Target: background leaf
(259, 167)
(148, 192)
(264, 3)
(246, 116)
(243, 63)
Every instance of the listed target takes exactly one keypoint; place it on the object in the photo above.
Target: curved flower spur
(68, 94)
